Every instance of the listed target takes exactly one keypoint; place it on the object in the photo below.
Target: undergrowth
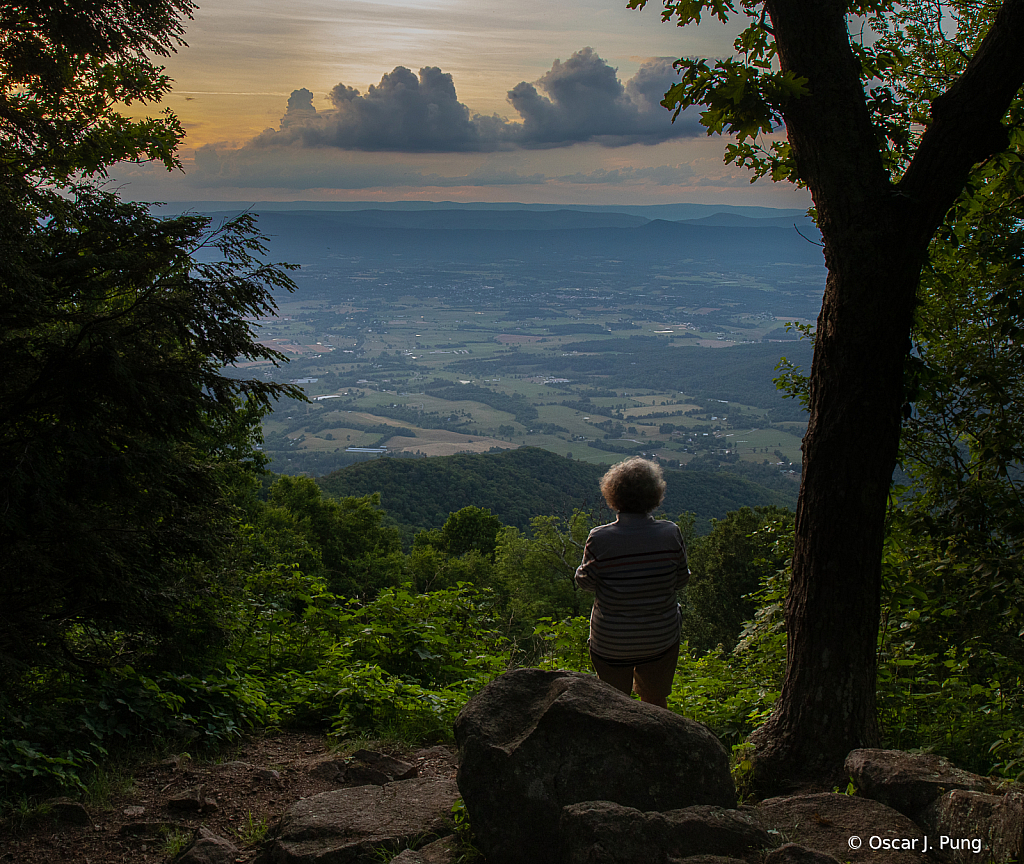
(401, 666)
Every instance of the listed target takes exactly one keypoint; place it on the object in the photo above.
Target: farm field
(427, 378)
(588, 333)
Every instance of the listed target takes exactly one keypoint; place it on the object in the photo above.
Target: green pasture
(401, 346)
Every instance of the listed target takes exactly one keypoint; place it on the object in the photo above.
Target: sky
(431, 100)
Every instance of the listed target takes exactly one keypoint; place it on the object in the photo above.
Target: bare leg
(620, 677)
(653, 681)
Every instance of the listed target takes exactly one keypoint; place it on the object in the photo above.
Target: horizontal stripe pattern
(634, 566)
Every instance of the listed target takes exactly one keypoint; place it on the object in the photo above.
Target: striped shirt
(634, 566)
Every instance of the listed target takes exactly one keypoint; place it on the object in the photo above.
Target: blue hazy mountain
(437, 237)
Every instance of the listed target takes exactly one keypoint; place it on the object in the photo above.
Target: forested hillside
(518, 485)
(159, 589)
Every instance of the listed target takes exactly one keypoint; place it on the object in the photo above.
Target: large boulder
(533, 742)
(846, 827)
(359, 824)
(600, 832)
(968, 826)
(908, 782)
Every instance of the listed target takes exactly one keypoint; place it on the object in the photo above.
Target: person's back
(634, 566)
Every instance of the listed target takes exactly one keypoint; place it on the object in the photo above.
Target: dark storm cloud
(579, 100)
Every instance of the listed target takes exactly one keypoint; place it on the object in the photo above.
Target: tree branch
(966, 123)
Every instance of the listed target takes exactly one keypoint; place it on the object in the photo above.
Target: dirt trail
(240, 797)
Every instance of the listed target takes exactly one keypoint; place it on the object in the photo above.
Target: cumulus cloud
(586, 101)
(579, 100)
(300, 108)
(404, 113)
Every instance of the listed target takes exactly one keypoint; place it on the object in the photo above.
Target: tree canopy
(882, 170)
(120, 438)
(63, 69)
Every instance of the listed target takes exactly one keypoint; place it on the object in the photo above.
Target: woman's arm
(586, 577)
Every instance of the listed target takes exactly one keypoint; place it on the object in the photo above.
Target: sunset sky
(547, 102)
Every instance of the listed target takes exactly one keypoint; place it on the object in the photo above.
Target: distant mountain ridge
(517, 485)
(647, 211)
(302, 236)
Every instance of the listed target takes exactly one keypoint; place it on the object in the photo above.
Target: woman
(634, 566)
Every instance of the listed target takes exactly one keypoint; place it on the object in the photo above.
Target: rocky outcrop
(533, 742)
(908, 782)
(600, 832)
(352, 825)
(963, 814)
(844, 826)
(366, 767)
(968, 826)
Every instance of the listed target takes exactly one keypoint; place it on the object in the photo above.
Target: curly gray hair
(633, 486)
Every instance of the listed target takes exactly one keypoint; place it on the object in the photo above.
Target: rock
(908, 782)
(191, 801)
(600, 832)
(348, 825)
(232, 766)
(395, 769)
(832, 823)
(208, 848)
(969, 826)
(333, 770)
(439, 852)
(365, 775)
(370, 768)
(790, 853)
(133, 812)
(68, 812)
(532, 742)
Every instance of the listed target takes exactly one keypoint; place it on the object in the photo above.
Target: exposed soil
(242, 795)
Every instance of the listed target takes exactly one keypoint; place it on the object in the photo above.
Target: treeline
(516, 404)
(452, 421)
(150, 592)
(325, 618)
(516, 485)
(333, 420)
(740, 373)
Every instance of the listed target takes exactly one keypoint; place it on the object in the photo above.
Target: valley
(591, 335)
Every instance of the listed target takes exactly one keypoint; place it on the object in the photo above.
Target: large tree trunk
(875, 236)
(827, 707)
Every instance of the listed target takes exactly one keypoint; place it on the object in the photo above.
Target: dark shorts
(650, 677)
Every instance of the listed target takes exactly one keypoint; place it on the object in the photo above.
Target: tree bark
(875, 236)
